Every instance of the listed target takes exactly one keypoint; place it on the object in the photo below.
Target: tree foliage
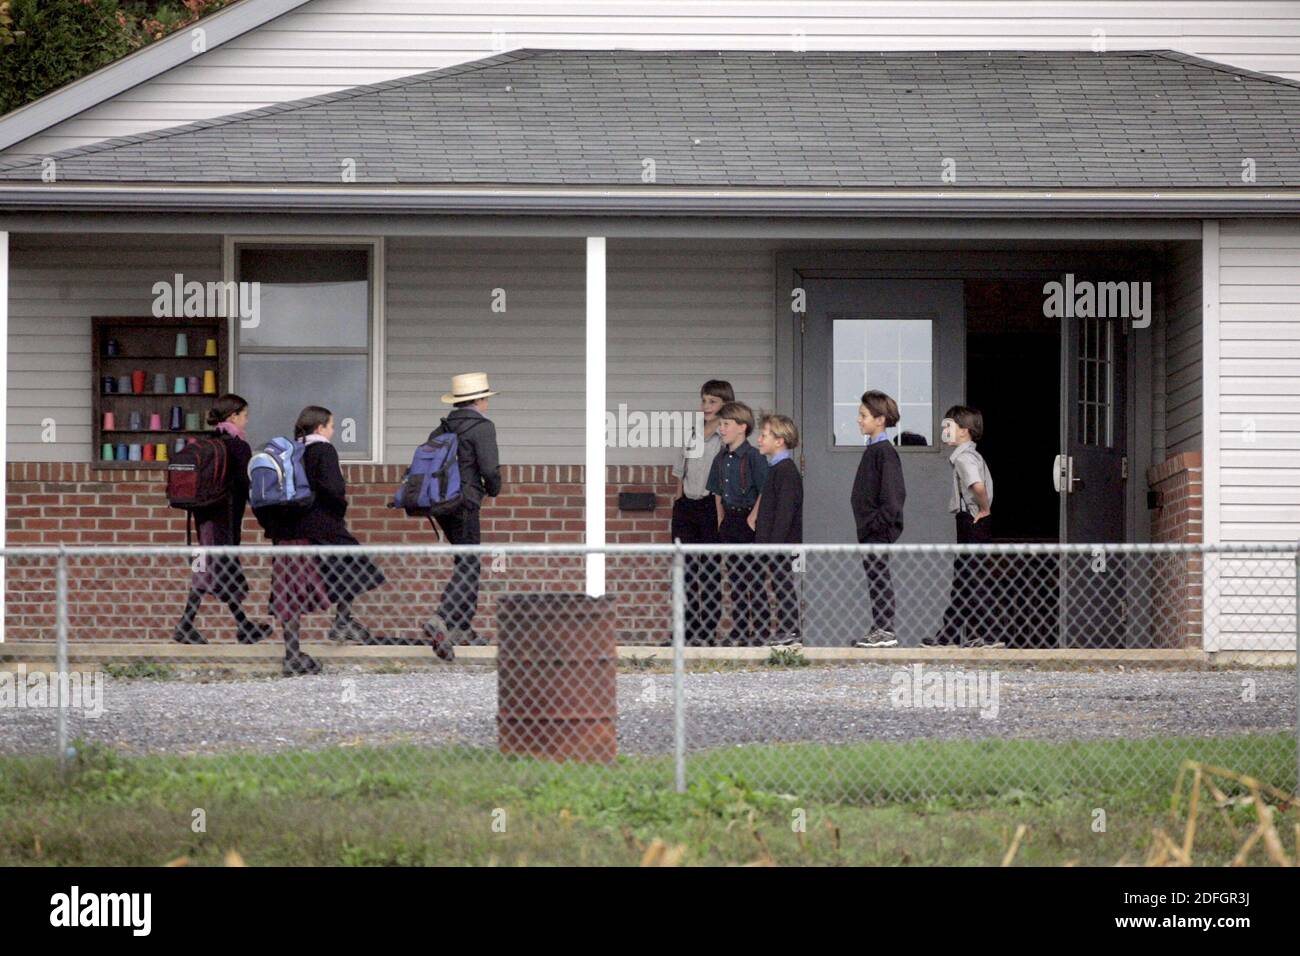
(45, 44)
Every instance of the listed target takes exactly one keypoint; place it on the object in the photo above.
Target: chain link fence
(826, 672)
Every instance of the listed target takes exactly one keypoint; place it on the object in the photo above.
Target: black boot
(187, 633)
(300, 664)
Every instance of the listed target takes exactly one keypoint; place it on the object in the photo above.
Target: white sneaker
(785, 640)
(878, 637)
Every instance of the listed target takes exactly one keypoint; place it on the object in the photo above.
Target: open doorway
(1013, 376)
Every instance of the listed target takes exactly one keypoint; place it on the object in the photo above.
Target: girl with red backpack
(220, 524)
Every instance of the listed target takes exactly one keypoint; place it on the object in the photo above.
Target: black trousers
(696, 522)
(783, 592)
(460, 597)
(744, 576)
(968, 601)
(880, 583)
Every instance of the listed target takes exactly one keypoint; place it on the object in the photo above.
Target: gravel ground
(825, 704)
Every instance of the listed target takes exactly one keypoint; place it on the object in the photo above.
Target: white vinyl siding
(1183, 350)
(440, 322)
(56, 283)
(328, 45)
(1259, 380)
(1258, 431)
(678, 314)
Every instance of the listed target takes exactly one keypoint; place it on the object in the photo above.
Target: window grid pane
(894, 356)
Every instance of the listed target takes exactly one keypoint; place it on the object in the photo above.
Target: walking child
(301, 584)
(220, 524)
(479, 461)
(877, 498)
(970, 502)
(780, 520)
(737, 478)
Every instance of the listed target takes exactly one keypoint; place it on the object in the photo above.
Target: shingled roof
(1031, 120)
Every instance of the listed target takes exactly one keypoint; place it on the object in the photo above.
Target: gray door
(904, 337)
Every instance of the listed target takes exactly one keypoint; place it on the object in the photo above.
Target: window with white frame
(895, 356)
(311, 341)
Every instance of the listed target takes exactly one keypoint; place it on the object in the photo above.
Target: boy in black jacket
(780, 519)
(480, 477)
(877, 498)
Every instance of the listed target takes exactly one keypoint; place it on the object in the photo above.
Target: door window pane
(895, 356)
(1095, 398)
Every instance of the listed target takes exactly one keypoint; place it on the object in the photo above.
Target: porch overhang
(782, 203)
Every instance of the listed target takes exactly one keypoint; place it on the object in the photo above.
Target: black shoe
(349, 629)
(188, 634)
(939, 640)
(251, 632)
(300, 664)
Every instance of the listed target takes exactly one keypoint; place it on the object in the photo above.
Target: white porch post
(4, 409)
(1211, 430)
(595, 471)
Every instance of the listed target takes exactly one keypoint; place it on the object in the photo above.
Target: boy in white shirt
(971, 503)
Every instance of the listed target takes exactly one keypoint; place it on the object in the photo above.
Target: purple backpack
(431, 485)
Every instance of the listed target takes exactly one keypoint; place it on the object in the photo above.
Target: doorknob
(1063, 474)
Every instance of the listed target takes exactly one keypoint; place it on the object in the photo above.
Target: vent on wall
(636, 501)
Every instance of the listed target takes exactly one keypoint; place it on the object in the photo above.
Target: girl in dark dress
(300, 584)
(223, 576)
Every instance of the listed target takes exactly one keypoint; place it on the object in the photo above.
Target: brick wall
(1177, 519)
(140, 597)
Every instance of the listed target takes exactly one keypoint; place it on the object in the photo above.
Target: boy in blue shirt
(736, 480)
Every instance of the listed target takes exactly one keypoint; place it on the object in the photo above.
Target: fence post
(61, 652)
(679, 669)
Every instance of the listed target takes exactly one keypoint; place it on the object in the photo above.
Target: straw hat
(467, 387)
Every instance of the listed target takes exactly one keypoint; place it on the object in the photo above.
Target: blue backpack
(277, 480)
(431, 486)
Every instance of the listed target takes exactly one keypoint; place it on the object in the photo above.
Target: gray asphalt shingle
(1017, 119)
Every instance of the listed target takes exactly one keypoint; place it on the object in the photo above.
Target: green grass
(138, 670)
(786, 657)
(863, 804)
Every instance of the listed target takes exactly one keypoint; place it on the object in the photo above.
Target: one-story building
(1101, 250)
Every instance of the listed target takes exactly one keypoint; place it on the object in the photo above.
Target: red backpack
(197, 477)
